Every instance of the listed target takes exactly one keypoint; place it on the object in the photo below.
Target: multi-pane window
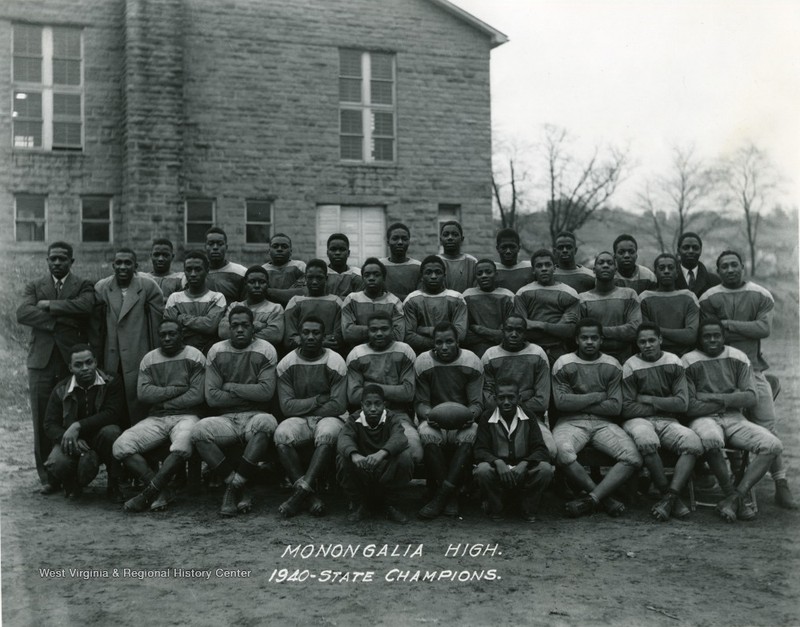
(365, 227)
(366, 106)
(47, 87)
(199, 218)
(96, 223)
(30, 218)
(258, 221)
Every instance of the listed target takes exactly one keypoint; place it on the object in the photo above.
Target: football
(451, 415)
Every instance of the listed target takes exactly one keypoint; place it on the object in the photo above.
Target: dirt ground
(628, 571)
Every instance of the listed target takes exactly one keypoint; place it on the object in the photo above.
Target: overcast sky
(650, 73)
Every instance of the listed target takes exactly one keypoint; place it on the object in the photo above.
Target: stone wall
(239, 100)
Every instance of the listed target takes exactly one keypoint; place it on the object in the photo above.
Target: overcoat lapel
(131, 298)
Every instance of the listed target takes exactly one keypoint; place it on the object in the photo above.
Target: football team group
(490, 374)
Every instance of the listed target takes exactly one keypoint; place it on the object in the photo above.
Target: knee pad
(646, 448)
(771, 446)
(546, 469)
(263, 423)
(120, 449)
(564, 457)
(200, 433)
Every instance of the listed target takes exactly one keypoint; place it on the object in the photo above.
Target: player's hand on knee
(507, 477)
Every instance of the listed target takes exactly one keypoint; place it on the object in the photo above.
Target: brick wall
(239, 100)
(65, 176)
(152, 121)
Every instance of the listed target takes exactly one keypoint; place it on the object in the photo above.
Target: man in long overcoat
(129, 308)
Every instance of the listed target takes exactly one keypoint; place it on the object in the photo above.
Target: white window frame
(367, 108)
(247, 222)
(333, 214)
(110, 202)
(187, 222)
(47, 89)
(16, 218)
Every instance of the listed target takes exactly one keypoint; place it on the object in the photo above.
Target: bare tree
(750, 181)
(510, 177)
(673, 201)
(577, 188)
(646, 199)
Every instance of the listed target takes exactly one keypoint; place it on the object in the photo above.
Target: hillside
(778, 244)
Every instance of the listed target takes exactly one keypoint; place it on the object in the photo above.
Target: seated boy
(171, 381)
(512, 457)
(312, 391)
(373, 461)
(447, 374)
(526, 363)
(654, 402)
(239, 385)
(721, 385)
(389, 364)
(82, 423)
(587, 389)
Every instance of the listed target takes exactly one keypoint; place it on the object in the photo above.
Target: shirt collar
(686, 273)
(497, 418)
(362, 420)
(63, 280)
(98, 380)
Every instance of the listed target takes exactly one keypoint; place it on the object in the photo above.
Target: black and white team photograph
(399, 312)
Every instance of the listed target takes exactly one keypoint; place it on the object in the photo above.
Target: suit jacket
(703, 280)
(67, 322)
(127, 330)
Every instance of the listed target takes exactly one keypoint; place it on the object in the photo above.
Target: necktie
(59, 286)
(690, 282)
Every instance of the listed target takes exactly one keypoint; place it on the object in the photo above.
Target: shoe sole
(160, 507)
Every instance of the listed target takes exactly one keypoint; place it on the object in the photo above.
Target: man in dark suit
(693, 274)
(57, 307)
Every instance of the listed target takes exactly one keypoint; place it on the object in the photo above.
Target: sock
(224, 469)
(247, 468)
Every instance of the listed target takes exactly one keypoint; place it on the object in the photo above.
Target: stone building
(127, 120)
